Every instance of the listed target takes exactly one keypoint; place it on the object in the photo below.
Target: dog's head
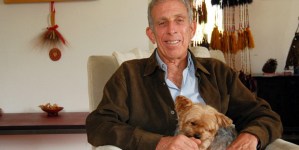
(199, 120)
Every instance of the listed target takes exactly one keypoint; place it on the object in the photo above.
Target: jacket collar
(152, 64)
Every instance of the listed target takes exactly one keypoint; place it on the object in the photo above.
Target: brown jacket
(137, 108)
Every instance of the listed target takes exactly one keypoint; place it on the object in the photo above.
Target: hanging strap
(52, 13)
(54, 26)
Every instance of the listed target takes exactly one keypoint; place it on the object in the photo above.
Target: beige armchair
(100, 68)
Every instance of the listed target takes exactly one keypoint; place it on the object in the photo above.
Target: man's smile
(172, 42)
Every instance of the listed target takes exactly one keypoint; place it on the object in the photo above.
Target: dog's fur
(204, 122)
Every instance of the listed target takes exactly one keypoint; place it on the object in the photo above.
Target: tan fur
(199, 120)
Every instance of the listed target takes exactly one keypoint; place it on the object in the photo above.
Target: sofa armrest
(280, 144)
(107, 147)
(99, 70)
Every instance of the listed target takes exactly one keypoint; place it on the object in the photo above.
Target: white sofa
(100, 68)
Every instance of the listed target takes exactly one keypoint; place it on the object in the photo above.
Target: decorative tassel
(200, 15)
(204, 12)
(195, 18)
(52, 37)
(248, 31)
(233, 43)
(249, 38)
(215, 39)
(213, 35)
(241, 41)
(225, 42)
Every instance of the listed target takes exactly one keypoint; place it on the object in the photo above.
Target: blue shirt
(189, 86)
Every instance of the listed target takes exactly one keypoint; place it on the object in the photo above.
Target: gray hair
(155, 2)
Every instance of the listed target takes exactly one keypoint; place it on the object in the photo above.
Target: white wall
(273, 24)
(29, 78)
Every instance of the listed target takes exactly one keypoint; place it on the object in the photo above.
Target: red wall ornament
(55, 54)
(52, 37)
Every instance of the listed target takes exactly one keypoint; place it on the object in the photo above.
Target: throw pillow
(135, 53)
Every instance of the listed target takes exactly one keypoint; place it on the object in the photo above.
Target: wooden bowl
(51, 110)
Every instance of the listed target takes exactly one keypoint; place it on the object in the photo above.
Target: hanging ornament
(233, 34)
(52, 37)
(225, 37)
(55, 54)
(216, 39)
(248, 31)
(216, 36)
(204, 11)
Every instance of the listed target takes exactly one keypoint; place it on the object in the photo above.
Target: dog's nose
(197, 136)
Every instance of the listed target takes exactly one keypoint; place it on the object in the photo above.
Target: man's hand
(245, 141)
(179, 142)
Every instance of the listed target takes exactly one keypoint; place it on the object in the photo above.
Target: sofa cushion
(218, 54)
(199, 51)
(135, 53)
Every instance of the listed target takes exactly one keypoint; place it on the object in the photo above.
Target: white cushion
(199, 51)
(203, 52)
(135, 53)
(280, 144)
(107, 147)
(218, 54)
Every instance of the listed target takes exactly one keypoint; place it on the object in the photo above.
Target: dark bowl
(51, 110)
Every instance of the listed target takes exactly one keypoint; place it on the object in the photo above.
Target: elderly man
(137, 108)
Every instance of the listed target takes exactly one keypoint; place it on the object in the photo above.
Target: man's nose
(171, 28)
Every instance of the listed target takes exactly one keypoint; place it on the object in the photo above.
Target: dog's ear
(223, 120)
(182, 103)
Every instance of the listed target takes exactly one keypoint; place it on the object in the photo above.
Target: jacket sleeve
(252, 114)
(107, 125)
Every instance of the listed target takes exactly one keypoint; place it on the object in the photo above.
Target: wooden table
(40, 123)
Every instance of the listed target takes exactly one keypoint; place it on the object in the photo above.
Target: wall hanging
(52, 38)
(236, 38)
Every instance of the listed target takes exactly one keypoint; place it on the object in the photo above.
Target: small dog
(204, 122)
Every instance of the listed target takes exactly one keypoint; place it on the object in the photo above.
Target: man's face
(172, 30)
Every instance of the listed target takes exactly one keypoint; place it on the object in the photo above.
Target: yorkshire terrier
(214, 129)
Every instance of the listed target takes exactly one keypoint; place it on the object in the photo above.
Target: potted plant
(270, 66)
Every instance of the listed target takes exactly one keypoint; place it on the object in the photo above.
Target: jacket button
(172, 112)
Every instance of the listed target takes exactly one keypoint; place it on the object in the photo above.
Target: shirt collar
(163, 66)
(153, 63)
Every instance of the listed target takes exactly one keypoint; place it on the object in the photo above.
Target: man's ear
(150, 34)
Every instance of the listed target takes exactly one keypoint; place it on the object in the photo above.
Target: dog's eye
(193, 123)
